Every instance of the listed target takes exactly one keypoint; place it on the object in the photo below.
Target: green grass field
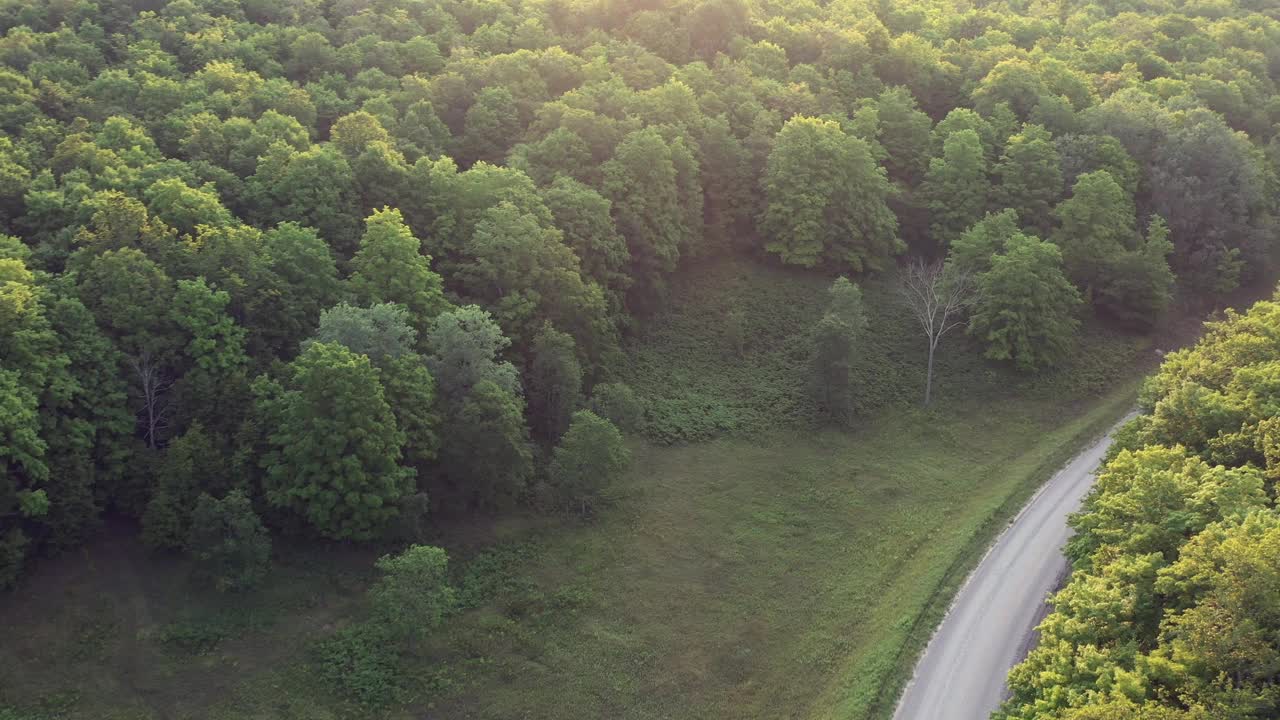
(771, 570)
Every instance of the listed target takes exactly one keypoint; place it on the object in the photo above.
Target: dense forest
(343, 269)
(1172, 611)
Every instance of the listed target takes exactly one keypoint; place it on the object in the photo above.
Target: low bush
(362, 662)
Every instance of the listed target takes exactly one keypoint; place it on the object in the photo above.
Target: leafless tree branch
(938, 295)
(152, 384)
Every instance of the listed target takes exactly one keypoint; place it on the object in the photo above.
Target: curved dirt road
(989, 628)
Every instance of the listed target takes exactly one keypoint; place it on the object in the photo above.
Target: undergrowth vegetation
(695, 384)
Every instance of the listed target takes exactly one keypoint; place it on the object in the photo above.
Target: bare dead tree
(152, 385)
(938, 295)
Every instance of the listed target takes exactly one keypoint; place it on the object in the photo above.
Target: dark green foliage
(1138, 283)
(380, 331)
(904, 133)
(306, 284)
(492, 124)
(1026, 308)
(955, 188)
(834, 337)
(1083, 154)
(231, 548)
(826, 199)
(1095, 226)
(411, 392)
(617, 403)
(521, 268)
(489, 458)
(1209, 188)
(362, 661)
(464, 347)
(334, 444)
(413, 595)
(640, 180)
(554, 384)
(315, 187)
(590, 455)
(583, 215)
(1030, 177)
(189, 466)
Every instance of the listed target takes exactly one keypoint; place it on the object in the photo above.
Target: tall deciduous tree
(1095, 225)
(492, 126)
(335, 448)
(464, 348)
(826, 199)
(130, 296)
(315, 187)
(641, 180)
(1026, 306)
(938, 294)
(584, 216)
(390, 267)
(215, 386)
(956, 188)
(555, 384)
(1138, 283)
(1208, 184)
(1030, 175)
(904, 134)
(488, 458)
(305, 283)
(523, 272)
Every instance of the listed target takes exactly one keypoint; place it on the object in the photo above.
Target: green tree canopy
(1095, 225)
(590, 456)
(228, 542)
(956, 188)
(1030, 177)
(1026, 308)
(413, 596)
(391, 268)
(335, 447)
(826, 199)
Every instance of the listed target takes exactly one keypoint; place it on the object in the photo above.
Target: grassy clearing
(773, 571)
(697, 388)
(770, 579)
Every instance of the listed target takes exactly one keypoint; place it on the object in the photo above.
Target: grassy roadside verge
(1076, 436)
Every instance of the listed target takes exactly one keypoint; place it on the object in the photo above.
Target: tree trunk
(928, 376)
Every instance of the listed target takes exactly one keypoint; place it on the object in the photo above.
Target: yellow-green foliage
(1177, 554)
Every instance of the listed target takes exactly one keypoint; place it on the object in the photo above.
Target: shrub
(228, 542)
(617, 403)
(590, 456)
(361, 661)
(201, 634)
(413, 595)
(496, 573)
